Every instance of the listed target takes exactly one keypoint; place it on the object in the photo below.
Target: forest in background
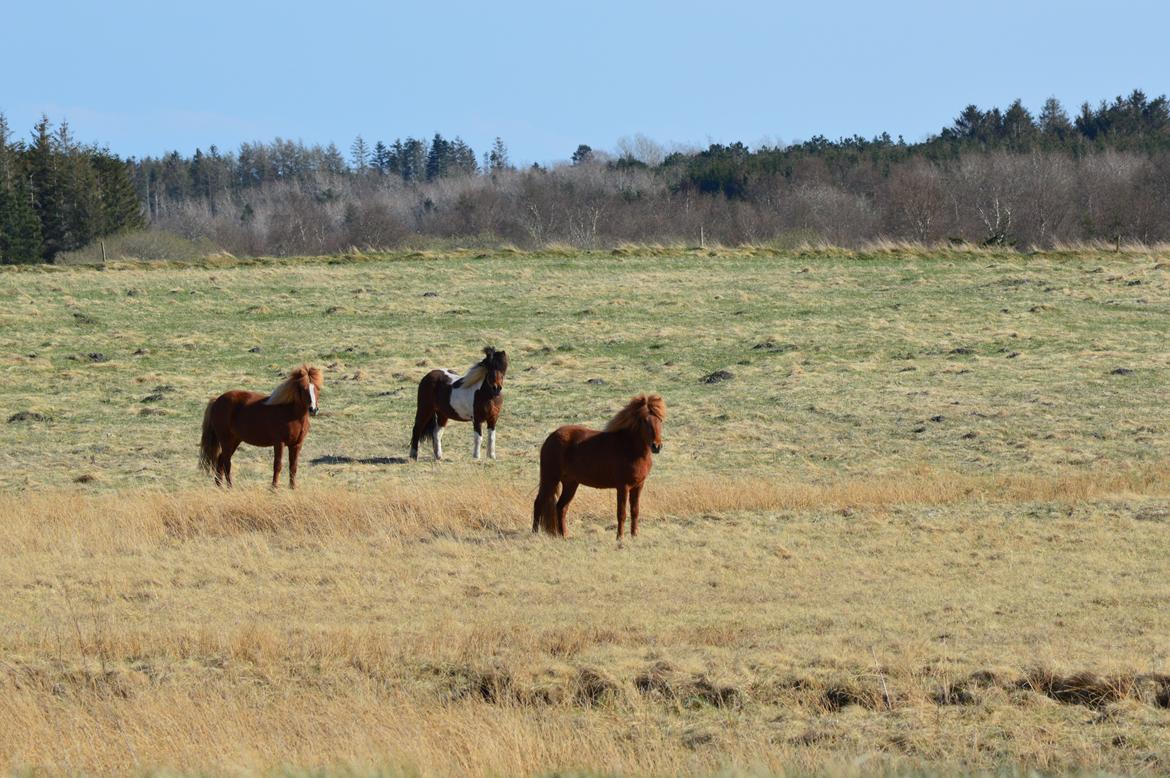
(1001, 177)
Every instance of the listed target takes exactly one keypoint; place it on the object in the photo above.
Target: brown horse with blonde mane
(278, 419)
(618, 457)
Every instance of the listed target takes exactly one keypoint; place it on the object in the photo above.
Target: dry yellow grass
(929, 620)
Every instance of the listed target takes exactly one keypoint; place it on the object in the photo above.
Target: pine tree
(438, 158)
(380, 160)
(1054, 121)
(359, 155)
(498, 157)
(20, 229)
(46, 191)
(582, 155)
(120, 206)
(332, 161)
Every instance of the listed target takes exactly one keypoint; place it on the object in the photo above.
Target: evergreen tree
(1018, 126)
(120, 207)
(582, 155)
(438, 158)
(332, 161)
(1054, 121)
(359, 155)
(380, 160)
(20, 229)
(47, 193)
(498, 157)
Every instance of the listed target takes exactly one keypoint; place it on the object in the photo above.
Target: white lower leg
(475, 446)
(491, 444)
(439, 443)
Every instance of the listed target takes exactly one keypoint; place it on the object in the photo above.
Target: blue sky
(147, 77)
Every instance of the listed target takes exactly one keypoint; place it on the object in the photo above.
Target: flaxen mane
(299, 378)
(640, 409)
(478, 371)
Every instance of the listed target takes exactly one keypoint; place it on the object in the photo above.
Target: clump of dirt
(839, 695)
(719, 376)
(20, 416)
(773, 347)
(1085, 688)
(595, 688)
(665, 681)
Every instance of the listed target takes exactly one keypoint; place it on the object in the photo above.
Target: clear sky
(147, 77)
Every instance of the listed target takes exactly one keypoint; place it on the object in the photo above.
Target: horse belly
(462, 402)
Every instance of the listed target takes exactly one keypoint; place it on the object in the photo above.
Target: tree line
(999, 176)
(57, 194)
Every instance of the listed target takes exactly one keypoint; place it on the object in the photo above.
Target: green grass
(1014, 353)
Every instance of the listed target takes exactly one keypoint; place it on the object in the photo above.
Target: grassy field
(922, 525)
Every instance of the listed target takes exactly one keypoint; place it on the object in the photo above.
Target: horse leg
(478, 425)
(438, 439)
(224, 465)
(544, 508)
(635, 495)
(492, 441)
(622, 492)
(422, 420)
(568, 489)
(278, 452)
(294, 452)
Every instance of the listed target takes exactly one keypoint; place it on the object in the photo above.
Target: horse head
(496, 363)
(302, 387)
(308, 380)
(642, 416)
(652, 422)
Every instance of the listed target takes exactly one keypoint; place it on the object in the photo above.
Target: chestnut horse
(476, 397)
(616, 458)
(279, 419)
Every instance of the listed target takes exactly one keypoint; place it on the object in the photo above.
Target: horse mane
(298, 378)
(638, 410)
(478, 372)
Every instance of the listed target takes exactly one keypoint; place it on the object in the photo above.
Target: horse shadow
(341, 459)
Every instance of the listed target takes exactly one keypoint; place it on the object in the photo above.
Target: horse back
(594, 458)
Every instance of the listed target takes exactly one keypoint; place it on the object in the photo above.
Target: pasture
(911, 513)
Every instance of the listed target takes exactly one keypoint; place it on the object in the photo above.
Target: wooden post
(103, 252)
(702, 238)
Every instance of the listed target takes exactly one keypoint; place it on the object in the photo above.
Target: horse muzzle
(655, 447)
(313, 411)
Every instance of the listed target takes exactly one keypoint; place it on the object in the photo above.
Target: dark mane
(492, 359)
(638, 410)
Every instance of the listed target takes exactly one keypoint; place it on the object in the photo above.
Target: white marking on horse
(491, 444)
(475, 446)
(439, 443)
(312, 397)
(462, 397)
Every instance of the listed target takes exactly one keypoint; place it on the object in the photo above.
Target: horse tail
(209, 445)
(544, 507)
(431, 429)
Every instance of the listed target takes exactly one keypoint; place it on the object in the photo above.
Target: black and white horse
(476, 397)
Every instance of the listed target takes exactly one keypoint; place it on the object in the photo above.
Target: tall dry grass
(63, 520)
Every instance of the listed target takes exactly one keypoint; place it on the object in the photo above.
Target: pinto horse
(279, 419)
(476, 397)
(617, 457)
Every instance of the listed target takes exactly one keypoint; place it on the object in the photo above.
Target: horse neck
(298, 408)
(633, 440)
